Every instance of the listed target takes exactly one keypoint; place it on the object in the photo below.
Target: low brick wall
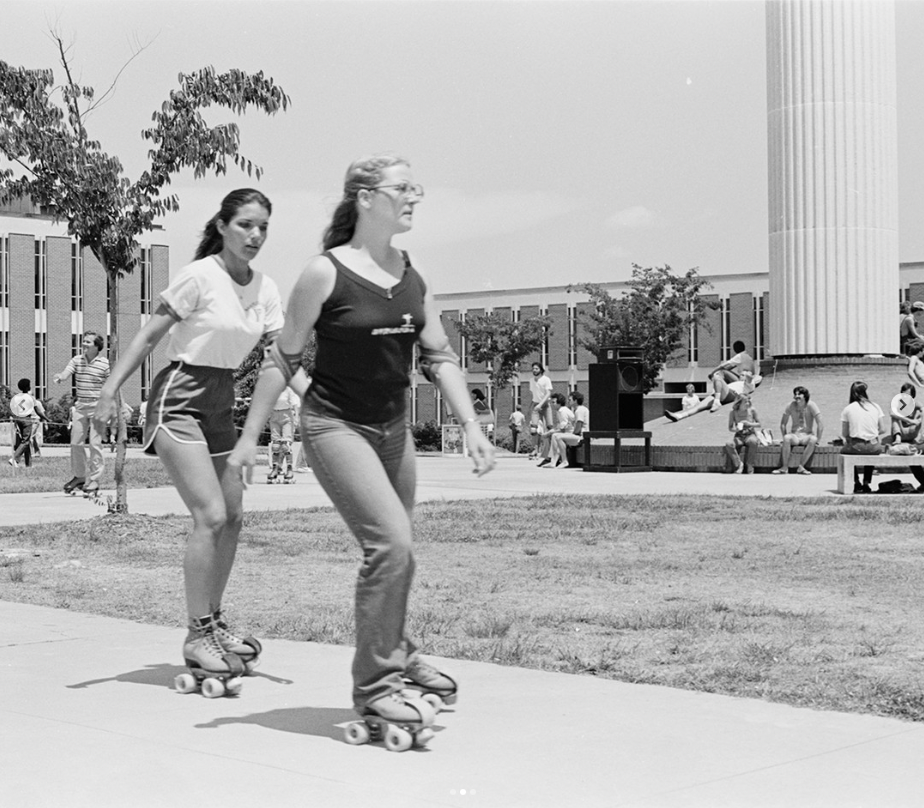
(713, 458)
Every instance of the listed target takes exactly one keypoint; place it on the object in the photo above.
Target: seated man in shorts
(801, 425)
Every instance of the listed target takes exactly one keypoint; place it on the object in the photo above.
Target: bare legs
(214, 498)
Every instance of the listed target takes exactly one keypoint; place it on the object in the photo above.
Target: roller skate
(400, 722)
(272, 476)
(211, 669)
(91, 489)
(73, 485)
(289, 476)
(248, 649)
(423, 681)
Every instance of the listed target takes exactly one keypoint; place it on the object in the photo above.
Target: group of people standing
(370, 306)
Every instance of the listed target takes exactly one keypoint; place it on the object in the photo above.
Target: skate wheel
(185, 683)
(398, 740)
(356, 734)
(213, 688)
(424, 737)
(233, 686)
(434, 701)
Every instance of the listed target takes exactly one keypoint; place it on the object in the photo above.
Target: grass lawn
(807, 602)
(50, 474)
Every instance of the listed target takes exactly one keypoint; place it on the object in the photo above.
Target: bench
(847, 463)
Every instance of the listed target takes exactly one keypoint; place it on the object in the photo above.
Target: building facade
(52, 290)
(744, 312)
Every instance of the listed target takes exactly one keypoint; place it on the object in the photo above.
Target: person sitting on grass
(744, 423)
(801, 425)
(726, 393)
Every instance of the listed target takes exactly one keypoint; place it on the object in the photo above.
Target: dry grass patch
(808, 602)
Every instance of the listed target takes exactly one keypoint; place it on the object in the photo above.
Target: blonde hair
(364, 173)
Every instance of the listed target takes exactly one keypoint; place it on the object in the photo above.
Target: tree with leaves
(55, 163)
(655, 314)
(501, 343)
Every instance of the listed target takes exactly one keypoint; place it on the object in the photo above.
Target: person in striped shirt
(90, 370)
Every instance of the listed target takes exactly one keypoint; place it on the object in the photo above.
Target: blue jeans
(368, 473)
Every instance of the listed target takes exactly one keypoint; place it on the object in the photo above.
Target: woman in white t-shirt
(213, 314)
(860, 425)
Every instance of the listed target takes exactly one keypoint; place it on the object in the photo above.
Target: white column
(833, 177)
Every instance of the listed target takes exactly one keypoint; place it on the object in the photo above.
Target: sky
(558, 142)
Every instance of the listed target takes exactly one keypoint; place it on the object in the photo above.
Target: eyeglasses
(404, 189)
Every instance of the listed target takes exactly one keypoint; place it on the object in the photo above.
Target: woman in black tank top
(370, 307)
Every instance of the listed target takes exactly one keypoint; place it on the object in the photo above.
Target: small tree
(502, 344)
(655, 314)
(62, 169)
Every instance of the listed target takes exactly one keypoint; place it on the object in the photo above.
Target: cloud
(450, 216)
(633, 218)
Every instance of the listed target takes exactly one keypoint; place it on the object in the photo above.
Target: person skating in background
(90, 370)
(282, 434)
(26, 411)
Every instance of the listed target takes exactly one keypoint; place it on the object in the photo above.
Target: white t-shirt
(582, 414)
(288, 400)
(690, 402)
(863, 420)
(565, 419)
(540, 388)
(22, 405)
(219, 320)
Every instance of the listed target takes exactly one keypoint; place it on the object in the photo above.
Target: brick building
(52, 290)
(744, 313)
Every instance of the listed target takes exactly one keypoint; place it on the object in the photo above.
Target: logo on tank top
(407, 328)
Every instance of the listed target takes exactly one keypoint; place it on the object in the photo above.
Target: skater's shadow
(160, 675)
(319, 722)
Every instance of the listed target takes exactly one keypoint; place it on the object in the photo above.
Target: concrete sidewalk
(88, 716)
(439, 478)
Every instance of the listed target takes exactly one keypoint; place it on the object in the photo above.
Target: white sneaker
(13, 463)
(716, 406)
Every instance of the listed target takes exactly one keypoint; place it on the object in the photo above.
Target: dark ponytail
(211, 242)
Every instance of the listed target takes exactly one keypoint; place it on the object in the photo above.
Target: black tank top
(366, 337)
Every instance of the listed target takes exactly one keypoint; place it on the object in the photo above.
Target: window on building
(147, 281)
(76, 277)
(759, 327)
(726, 329)
(41, 364)
(545, 340)
(4, 272)
(5, 358)
(693, 340)
(463, 344)
(41, 276)
(572, 336)
(146, 378)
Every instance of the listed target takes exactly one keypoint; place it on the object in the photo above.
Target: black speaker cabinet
(616, 398)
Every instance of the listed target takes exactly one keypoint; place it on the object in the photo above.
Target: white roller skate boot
(273, 475)
(426, 682)
(211, 669)
(247, 648)
(399, 721)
